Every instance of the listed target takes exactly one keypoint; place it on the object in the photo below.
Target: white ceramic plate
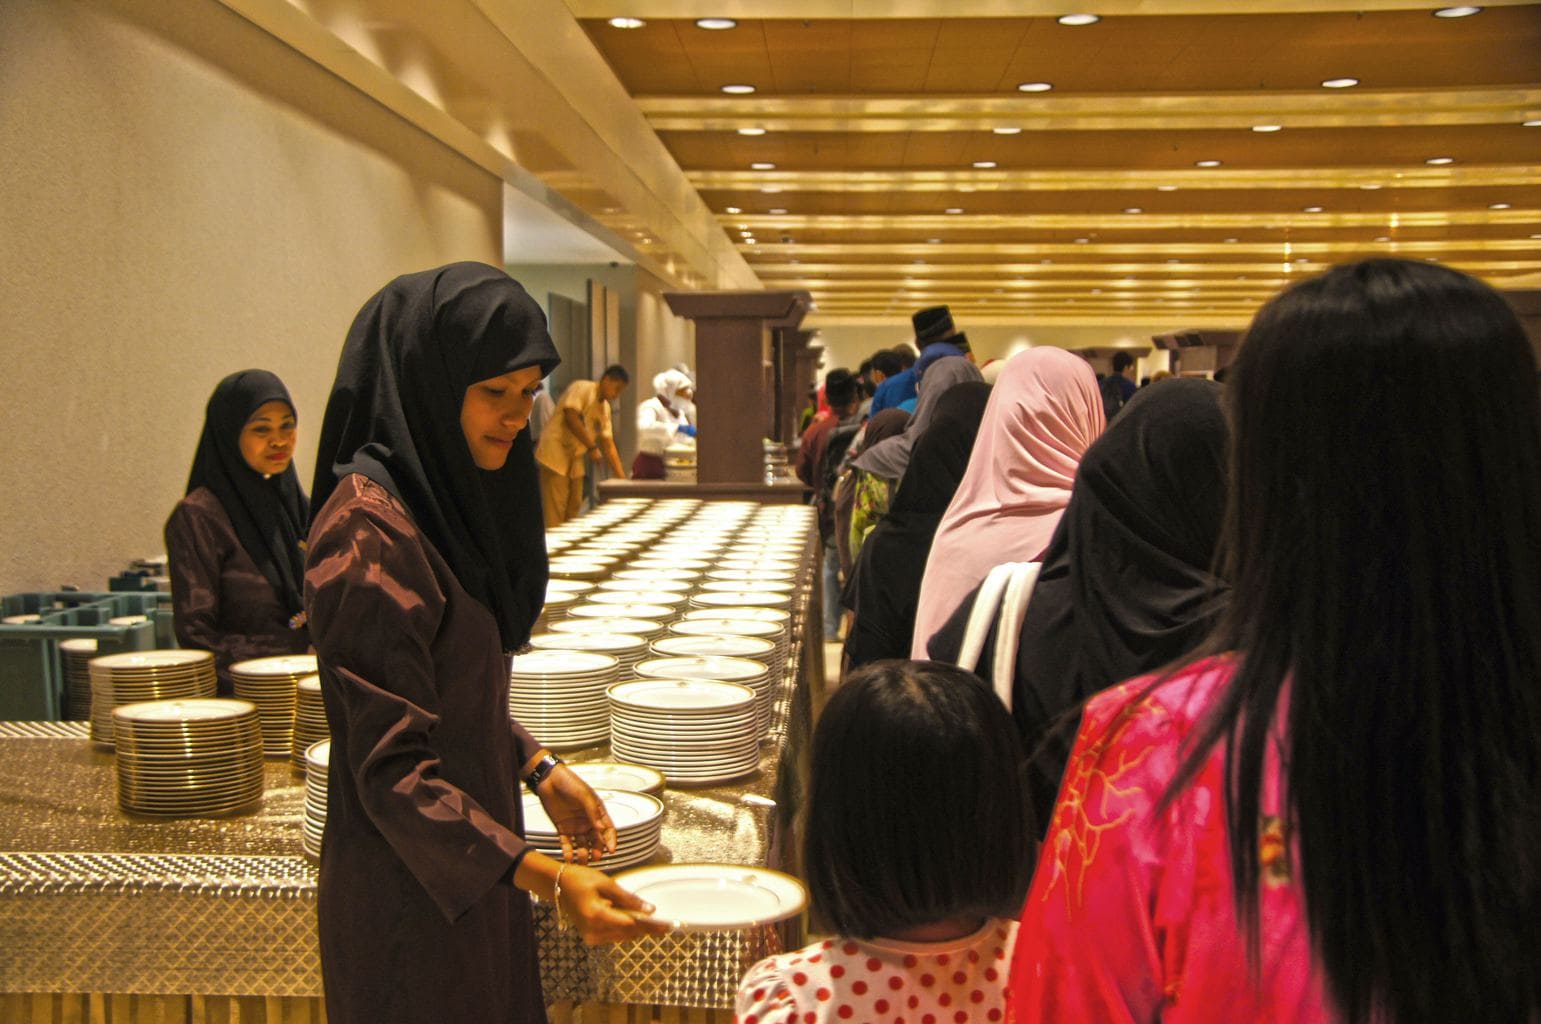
(737, 670)
(614, 775)
(212, 709)
(561, 663)
(280, 665)
(716, 897)
(682, 696)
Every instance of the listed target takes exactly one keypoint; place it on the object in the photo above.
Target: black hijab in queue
(884, 589)
(394, 417)
(269, 513)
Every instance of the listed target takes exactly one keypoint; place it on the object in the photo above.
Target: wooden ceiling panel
(876, 126)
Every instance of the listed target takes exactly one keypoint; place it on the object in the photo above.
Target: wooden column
(792, 387)
(734, 398)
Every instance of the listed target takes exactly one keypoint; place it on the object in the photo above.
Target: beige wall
(183, 197)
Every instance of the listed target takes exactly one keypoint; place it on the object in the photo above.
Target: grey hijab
(889, 458)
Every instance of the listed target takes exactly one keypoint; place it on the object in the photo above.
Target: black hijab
(884, 589)
(269, 513)
(394, 417)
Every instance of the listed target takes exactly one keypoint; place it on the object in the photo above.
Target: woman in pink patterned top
(1340, 820)
(917, 850)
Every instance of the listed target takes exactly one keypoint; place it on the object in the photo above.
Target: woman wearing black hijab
(885, 583)
(1125, 586)
(234, 542)
(427, 567)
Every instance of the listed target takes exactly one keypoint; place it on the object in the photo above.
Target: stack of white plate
(724, 668)
(638, 820)
(648, 629)
(561, 586)
(630, 778)
(737, 598)
(310, 725)
(659, 612)
(761, 586)
(556, 607)
(777, 565)
(575, 568)
(667, 598)
(318, 759)
(138, 676)
(559, 696)
(77, 654)
(271, 684)
(681, 563)
(625, 648)
(685, 576)
(772, 632)
(187, 758)
(695, 731)
(621, 585)
(752, 575)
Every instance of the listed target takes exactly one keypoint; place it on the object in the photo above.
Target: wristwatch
(544, 767)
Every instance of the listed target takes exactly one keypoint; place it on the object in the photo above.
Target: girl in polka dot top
(917, 852)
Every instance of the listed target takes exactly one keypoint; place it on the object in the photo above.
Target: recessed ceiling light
(716, 24)
(1079, 19)
(778, 210)
(1232, 240)
(732, 209)
(1498, 206)
(955, 209)
(751, 131)
(1133, 209)
(1440, 161)
(1383, 238)
(1096, 291)
(1532, 123)
(1166, 188)
(1536, 236)
(1174, 260)
(1311, 209)
(1369, 188)
(1206, 163)
(771, 189)
(1007, 130)
(761, 165)
(1082, 241)
(984, 165)
(1045, 260)
(627, 23)
(1035, 87)
(1340, 83)
(738, 90)
(1268, 127)
(1457, 12)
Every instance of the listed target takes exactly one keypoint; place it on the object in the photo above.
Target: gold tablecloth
(93, 900)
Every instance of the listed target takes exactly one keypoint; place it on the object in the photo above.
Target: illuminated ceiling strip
(993, 270)
(1454, 176)
(1093, 250)
(1244, 220)
(1111, 112)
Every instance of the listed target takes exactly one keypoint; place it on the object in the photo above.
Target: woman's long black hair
(1383, 540)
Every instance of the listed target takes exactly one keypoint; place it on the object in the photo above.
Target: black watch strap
(544, 767)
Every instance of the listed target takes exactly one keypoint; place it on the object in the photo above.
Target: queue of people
(1269, 749)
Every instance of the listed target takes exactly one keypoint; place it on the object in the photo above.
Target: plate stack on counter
(773, 632)
(318, 759)
(661, 613)
(632, 778)
(710, 666)
(310, 725)
(638, 819)
(188, 758)
(694, 731)
(648, 629)
(138, 676)
(559, 696)
(77, 654)
(272, 684)
(626, 648)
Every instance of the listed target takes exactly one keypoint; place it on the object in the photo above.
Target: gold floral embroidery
(1273, 851)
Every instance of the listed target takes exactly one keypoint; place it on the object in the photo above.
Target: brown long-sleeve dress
(220, 600)
(418, 920)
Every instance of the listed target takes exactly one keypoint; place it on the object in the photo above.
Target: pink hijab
(1044, 412)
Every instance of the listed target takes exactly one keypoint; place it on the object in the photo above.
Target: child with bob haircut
(917, 847)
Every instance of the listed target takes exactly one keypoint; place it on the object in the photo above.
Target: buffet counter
(106, 916)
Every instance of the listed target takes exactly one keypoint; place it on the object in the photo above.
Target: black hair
(917, 809)
(839, 388)
(864, 369)
(907, 356)
(1122, 361)
(618, 372)
(888, 362)
(1383, 539)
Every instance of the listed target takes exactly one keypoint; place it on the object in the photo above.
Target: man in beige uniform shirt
(579, 432)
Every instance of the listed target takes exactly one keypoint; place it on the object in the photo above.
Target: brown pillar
(733, 391)
(792, 387)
